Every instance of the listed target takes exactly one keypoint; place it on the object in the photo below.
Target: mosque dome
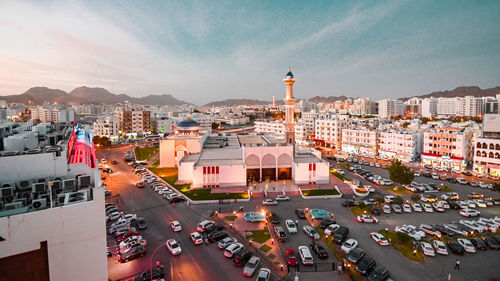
(188, 123)
(188, 126)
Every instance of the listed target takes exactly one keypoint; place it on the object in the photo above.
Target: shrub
(378, 199)
(415, 197)
(403, 237)
(398, 200)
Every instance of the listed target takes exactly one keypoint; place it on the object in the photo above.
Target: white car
(367, 218)
(470, 204)
(196, 237)
(416, 174)
(114, 216)
(173, 247)
(310, 232)
(305, 255)
(369, 188)
(440, 247)
(477, 227)
(427, 249)
(130, 240)
(387, 209)
(438, 207)
(269, 202)
(264, 274)
(397, 208)
(469, 248)
(377, 165)
(410, 231)
(379, 238)
(428, 208)
(291, 227)
(480, 203)
(483, 185)
(231, 249)
(406, 208)
(203, 225)
(416, 229)
(331, 229)
(176, 226)
(469, 213)
(282, 198)
(226, 242)
(445, 204)
(417, 207)
(349, 245)
(435, 176)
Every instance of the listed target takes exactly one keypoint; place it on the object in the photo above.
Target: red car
(126, 235)
(291, 259)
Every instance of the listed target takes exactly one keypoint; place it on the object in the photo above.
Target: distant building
(429, 108)
(106, 126)
(328, 130)
(134, 121)
(403, 145)
(363, 106)
(487, 147)
(165, 125)
(388, 108)
(52, 114)
(360, 141)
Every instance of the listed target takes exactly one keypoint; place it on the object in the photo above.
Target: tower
(289, 108)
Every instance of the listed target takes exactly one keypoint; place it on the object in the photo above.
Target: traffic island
(403, 243)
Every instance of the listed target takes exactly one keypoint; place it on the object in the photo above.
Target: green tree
(398, 200)
(400, 173)
(496, 187)
(101, 141)
(415, 197)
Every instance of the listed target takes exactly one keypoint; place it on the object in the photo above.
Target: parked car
(269, 202)
(146, 275)
(379, 238)
(381, 273)
(310, 232)
(305, 255)
(440, 247)
(427, 249)
(366, 265)
(366, 219)
(467, 245)
(479, 244)
(290, 226)
(232, 249)
(417, 207)
(428, 229)
(356, 255)
(241, 257)
(250, 267)
(280, 234)
(203, 225)
(132, 253)
(264, 274)
(282, 198)
(140, 223)
(350, 203)
(349, 245)
(340, 235)
(387, 209)
(319, 250)
(140, 184)
(216, 236)
(291, 258)
(196, 238)
(300, 213)
(226, 242)
(326, 222)
(456, 248)
(469, 213)
(331, 229)
(176, 226)
(491, 242)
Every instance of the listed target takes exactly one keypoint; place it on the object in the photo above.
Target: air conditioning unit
(39, 204)
(25, 184)
(12, 206)
(76, 197)
(61, 198)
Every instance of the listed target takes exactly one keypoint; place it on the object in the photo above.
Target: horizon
(200, 53)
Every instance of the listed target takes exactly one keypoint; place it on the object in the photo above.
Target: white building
(403, 145)
(328, 129)
(388, 108)
(447, 106)
(52, 114)
(165, 125)
(52, 214)
(487, 147)
(447, 147)
(429, 107)
(360, 141)
(107, 126)
(470, 106)
(363, 106)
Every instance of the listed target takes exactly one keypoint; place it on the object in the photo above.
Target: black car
(491, 242)
(140, 223)
(454, 205)
(381, 273)
(444, 230)
(479, 244)
(356, 255)
(452, 179)
(350, 203)
(366, 265)
(177, 199)
(340, 235)
(134, 252)
(467, 173)
(456, 248)
(274, 218)
(325, 223)
(217, 236)
(300, 213)
(319, 250)
(375, 210)
(427, 174)
(241, 257)
(434, 186)
(214, 227)
(146, 275)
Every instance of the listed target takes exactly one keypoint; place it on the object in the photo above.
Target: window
(484, 145)
(492, 146)
(497, 147)
(478, 145)
(484, 154)
(491, 155)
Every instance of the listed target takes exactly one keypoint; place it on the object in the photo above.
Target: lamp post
(151, 260)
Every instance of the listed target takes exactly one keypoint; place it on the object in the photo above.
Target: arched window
(478, 145)
(484, 145)
(491, 155)
(478, 153)
(497, 155)
(492, 146)
(484, 154)
(497, 147)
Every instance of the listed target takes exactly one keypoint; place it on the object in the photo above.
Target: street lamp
(151, 259)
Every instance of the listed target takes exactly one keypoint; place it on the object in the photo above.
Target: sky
(202, 51)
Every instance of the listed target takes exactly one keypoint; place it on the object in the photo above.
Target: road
(208, 263)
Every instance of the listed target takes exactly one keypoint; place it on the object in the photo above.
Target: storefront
(492, 170)
(436, 160)
(387, 155)
(368, 151)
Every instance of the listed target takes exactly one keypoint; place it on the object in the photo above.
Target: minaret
(274, 102)
(289, 108)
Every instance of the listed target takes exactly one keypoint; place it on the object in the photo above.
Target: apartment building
(470, 106)
(447, 147)
(328, 129)
(487, 147)
(403, 145)
(134, 121)
(360, 141)
(106, 126)
(363, 106)
(429, 108)
(52, 114)
(388, 108)
(165, 125)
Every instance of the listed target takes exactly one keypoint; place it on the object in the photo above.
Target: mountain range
(86, 95)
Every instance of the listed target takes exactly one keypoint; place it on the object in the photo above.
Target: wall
(38, 165)
(75, 235)
(231, 175)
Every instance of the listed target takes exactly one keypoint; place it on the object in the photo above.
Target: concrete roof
(220, 156)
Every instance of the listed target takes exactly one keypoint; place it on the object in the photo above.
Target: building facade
(360, 141)
(403, 145)
(447, 147)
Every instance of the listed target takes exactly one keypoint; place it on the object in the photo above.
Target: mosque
(226, 160)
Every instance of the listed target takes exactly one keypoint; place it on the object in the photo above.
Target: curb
(321, 196)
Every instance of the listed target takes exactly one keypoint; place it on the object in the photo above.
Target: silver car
(251, 266)
(226, 242)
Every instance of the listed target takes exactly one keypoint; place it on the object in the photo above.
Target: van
(389, 199)
(305, 255)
